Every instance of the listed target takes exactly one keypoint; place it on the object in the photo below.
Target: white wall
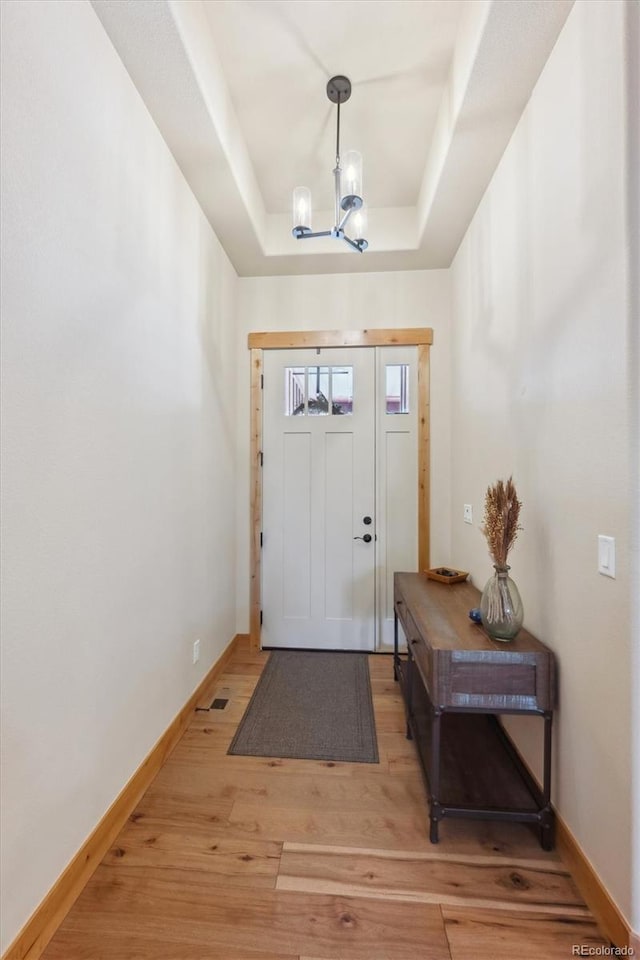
(118, 439)
(541, 389)
(347, 302)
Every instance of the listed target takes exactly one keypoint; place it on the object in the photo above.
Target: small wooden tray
(447, 575)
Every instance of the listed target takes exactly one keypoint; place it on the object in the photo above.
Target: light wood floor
(236, 858)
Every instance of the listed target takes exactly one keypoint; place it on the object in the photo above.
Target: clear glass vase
(501, 606)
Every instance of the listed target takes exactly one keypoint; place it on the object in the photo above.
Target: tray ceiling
(237, 89)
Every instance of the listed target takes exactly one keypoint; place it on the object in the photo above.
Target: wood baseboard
(634, 942)
(610, 919)
(40, 928)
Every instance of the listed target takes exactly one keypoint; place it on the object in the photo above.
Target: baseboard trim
(596, 895)
(40, 928)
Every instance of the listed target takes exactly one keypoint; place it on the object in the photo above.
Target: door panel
(338, 568)
(296, 525)
(318, 484)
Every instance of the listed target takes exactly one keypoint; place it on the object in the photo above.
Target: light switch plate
(467, 514)
(607, 556)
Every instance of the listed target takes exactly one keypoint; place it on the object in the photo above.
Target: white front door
(318, 555)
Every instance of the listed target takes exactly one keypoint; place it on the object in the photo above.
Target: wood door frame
(420, 337)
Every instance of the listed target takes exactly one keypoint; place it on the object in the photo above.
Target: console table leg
(547, 831)
(546, 786)
(434, 774)
(433, 829)
(395, 645)
(547, 817)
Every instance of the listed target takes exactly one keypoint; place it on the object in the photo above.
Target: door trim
(422, 337)
(340, 338)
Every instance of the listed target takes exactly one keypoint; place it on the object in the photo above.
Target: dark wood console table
(455, 680)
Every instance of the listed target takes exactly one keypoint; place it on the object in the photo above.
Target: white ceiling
(397, 56)
(238, 90)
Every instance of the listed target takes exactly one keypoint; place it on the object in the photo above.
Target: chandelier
(347, 178)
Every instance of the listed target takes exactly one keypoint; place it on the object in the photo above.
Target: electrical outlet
(196, 651)
(467, 515)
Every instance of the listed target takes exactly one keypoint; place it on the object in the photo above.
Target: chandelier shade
(352, 174)
(302, 208)
(347, 177)
(360, 224)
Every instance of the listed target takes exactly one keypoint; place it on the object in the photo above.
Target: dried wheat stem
(501, 515)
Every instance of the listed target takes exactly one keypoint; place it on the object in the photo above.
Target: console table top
(441, 612)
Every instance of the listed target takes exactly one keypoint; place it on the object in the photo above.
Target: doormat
(310, 705)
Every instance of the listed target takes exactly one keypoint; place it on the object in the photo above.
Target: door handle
(367, 538)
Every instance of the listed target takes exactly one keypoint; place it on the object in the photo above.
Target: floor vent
(218, 704)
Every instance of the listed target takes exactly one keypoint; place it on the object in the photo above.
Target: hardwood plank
(248, 666)
(155, 844)
(469, 837)
(381, 665)
(486, 935)
(304, 791)
(311, 792)
(123, 910)
(554, 865)
(231, 686)
(352, 827)
(145, 947)
(207, 739)
(473, 882)
(218, 745)
(193, 811)
(286, 810)
(384, 686)
(394, 746)
(390, 721)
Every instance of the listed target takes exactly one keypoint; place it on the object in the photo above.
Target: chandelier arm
(319, 233)
(343, 222)
(352, 243)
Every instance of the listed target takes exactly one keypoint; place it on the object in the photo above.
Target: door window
(397, 388)
(318, 391)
